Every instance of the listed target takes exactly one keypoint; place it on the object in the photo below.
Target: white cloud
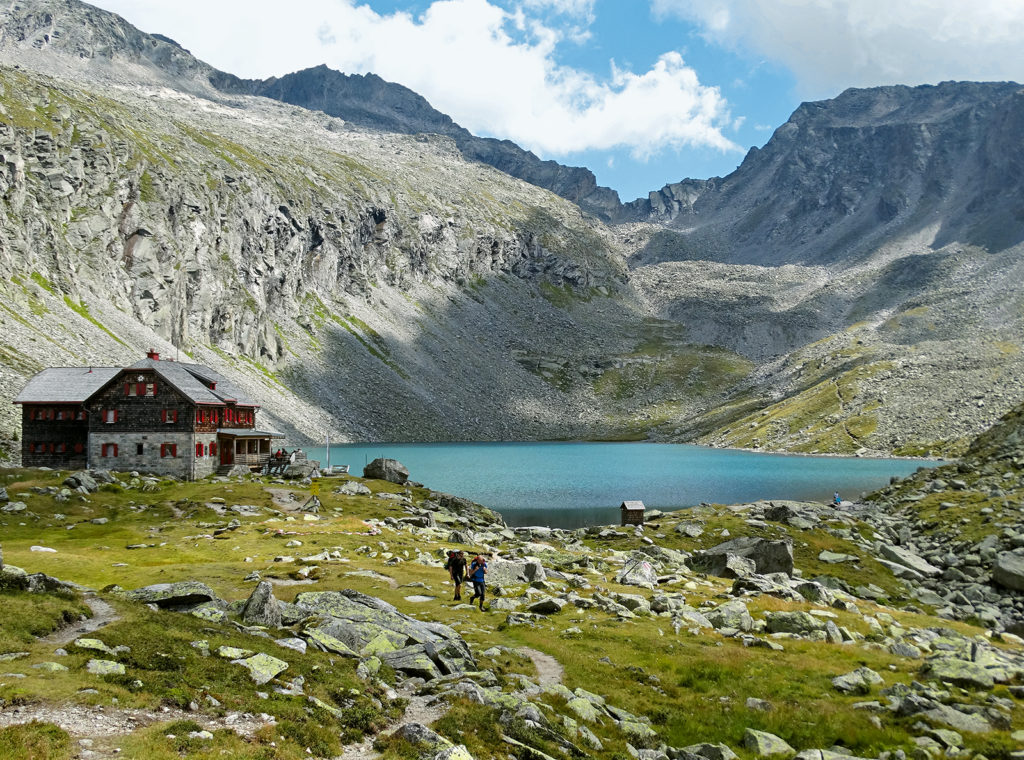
(492, 70)
(833, 44)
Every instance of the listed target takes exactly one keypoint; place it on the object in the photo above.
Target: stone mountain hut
(632, 512)
(161, 417)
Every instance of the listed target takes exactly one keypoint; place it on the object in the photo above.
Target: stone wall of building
(147, 452)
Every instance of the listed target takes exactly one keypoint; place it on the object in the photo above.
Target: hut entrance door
(227, 451)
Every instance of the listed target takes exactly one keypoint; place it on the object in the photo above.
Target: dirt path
(102, 724)
(102, 614)
(417, 711)
(549, 671)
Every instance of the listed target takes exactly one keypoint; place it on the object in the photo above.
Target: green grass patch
(34, 741)
(83, 311)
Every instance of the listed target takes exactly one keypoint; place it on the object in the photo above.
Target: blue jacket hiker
(477, 573)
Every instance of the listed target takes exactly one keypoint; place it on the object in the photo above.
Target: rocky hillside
(369, 101)
(871, 169)
(765, 630)
(379, 285)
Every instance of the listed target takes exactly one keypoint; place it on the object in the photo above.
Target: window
(109, 450)
(80, 415)
(110, 416)
(150, 389)
(131, 389)
(169, 416)
(213, 449)
(215, 417)
(140, 448)
(229, 415)
(38, 448)
(199, 450)
(62, 448)
(168, 450)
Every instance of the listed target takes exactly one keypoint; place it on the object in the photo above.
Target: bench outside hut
(632, 512)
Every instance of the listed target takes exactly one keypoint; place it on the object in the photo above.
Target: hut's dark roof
(75, 385)
(193, 382)
(65, 385)
(631, 505)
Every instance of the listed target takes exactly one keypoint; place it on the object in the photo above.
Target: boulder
(711, 751)
(858, 681)
(390, 470)
(173, 595)
(262, 667)
(547, 606)
(908, 559)
(81, 480)
(507, 572)
(732, 614)
(969, 675)
(764, 744)
(1008, 570)
(354, 488)
(793, 622)
(767, 556)
(299, 470)
(104, 668)
(351, 624)
(637, 572)
(261, 607)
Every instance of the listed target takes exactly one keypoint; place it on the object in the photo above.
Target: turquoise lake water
(570, 485)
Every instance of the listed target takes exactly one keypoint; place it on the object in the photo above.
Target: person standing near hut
(477, 574)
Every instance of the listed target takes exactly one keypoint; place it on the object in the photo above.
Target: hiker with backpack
(456, 567)
(477, 574)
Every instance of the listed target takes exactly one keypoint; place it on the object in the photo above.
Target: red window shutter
(117, 415)
(115, 449)
(175, 413)
(163, 415)
(199, 449)
(127, 389)
(213, 449)
(79, 448)
(174, 449)
(199, 417)
(163, 450)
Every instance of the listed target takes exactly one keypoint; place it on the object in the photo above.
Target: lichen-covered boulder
(390, 470)
(173, 595)
(764, 744)
(793, 622)
(969, 675)
(354, 624)
(104, 668)
(733, 614)
(262, 667)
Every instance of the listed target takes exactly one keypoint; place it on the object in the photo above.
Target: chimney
(153, 355)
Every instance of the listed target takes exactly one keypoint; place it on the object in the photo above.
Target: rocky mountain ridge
(378, 285)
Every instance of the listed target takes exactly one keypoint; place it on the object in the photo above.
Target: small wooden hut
(632, 512)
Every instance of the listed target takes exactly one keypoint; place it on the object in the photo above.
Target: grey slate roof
(65, 385)
(632, 505)
(74, 385)
(189, 379)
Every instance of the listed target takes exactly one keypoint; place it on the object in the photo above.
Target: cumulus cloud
(833, 44)
(493, 69)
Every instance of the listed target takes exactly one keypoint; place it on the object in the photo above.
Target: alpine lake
(572, 485)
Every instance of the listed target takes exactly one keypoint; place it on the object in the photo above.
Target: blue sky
(642, 92)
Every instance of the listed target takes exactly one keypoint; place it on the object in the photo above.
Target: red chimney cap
(153, 355)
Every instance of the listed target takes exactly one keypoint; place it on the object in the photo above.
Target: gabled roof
(632, 505)
(76, 385)
(193, 380)
(65, 385)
